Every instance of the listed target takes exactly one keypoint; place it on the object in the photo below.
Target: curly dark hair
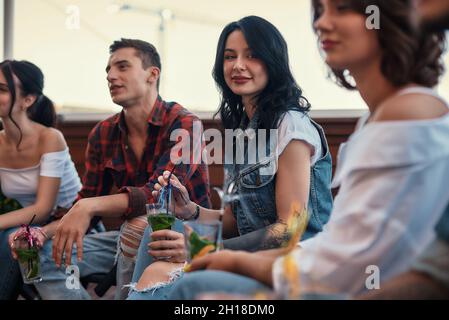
(281, 93)
(409, 54)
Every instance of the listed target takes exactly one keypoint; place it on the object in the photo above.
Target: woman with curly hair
(259, 94)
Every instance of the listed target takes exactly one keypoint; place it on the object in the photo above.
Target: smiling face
(343, 36)
(244, 74)
(128, 81)
(6, 97)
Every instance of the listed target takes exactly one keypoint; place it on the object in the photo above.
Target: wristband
(42, 232)
(196, 214)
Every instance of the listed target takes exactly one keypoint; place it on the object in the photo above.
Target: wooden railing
(337, 131)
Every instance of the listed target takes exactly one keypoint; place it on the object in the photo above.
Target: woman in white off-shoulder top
(35, 164)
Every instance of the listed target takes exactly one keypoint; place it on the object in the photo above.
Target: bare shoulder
(2, 137)
(2, 142)
(52, 140)
(414, 106)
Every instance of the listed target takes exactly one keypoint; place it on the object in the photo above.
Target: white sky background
(74, 60)
(1, 27)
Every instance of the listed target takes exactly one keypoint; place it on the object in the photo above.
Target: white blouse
(22, 184)
(393, 189)
(298, 126)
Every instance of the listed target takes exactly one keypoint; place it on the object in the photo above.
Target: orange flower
(296, 224)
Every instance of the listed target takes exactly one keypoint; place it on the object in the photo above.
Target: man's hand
(71, 229)
(167, 245)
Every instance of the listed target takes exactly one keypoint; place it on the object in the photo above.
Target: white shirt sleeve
(52, 163)
(380, 220)
(297, 126)
(359, 234)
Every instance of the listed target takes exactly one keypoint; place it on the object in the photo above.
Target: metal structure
(8, 29)
(165, 16)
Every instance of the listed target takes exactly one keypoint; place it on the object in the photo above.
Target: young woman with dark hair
(392, 173)
(279, 94)
(35, 164)
(258, 92)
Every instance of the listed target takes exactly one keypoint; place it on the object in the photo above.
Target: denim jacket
(256, 206)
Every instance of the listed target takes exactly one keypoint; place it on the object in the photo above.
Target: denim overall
(255, 185)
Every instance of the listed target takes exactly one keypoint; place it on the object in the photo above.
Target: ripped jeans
(160, 290)
(100, 252)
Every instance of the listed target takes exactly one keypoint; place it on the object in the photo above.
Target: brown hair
(409, 55)
(145, 51)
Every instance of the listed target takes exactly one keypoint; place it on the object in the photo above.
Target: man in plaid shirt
(128, 151)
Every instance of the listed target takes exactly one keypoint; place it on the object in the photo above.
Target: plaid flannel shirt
(110, 160)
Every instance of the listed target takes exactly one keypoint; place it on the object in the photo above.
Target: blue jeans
(196, 283)
(156, 294)
(143, 258)
(9, 268)
(143, 261)
(192, 284)
(99, 252)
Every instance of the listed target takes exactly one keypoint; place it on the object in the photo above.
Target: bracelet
(196, 214)
(43, 233)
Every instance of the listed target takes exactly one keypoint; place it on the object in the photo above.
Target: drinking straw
(32, 219)
(171, 172)
(28, 232)
(167, 197)
(29, 238)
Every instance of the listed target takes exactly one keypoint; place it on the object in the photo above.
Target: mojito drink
(29, 264)
(199, 246)
(161, 221)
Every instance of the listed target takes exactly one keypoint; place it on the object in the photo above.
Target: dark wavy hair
(409, 55)
(281, 93)
(31, 82)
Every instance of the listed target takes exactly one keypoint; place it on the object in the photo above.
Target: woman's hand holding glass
(40, 235)
(167, 245)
